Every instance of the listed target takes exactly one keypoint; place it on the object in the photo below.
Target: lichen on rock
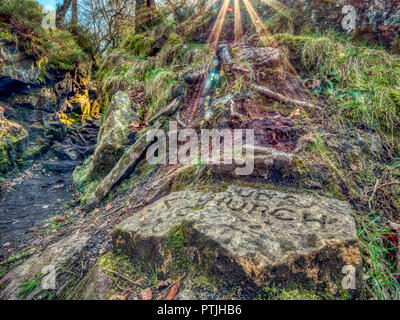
(244, 234)
(112, 137)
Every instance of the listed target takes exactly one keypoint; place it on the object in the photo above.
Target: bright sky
(48, 3)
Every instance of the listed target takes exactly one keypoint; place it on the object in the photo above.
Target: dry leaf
(108, 206)
(353, 167)
(295, 113)
(136, 124)
(173, 292)
(146, 294)
(164, 284)
(60, 219)
(7, 244)
(118, 296)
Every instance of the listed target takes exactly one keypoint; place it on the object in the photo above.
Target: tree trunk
(62, 11)
(145, 13)
(74, 19)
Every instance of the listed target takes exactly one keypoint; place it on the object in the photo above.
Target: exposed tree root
(281, 98)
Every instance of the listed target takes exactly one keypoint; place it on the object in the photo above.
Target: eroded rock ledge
(245, 235)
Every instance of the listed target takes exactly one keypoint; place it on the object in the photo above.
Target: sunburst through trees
(258, 26)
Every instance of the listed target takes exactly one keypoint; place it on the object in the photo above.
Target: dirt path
(41, 192)
(27, 201)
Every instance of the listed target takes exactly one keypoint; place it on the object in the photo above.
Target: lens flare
(213, 40)
(264, 33)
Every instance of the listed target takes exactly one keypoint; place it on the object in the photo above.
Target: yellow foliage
(89, 108)
(64, 119)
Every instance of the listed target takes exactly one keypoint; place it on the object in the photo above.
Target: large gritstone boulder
(112, 138)
(246, 235)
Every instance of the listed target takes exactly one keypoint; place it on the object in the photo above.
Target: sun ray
(264, 33)
(238, 21)
(255, 19)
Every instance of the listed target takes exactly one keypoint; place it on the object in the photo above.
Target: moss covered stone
(112, 139)
(141, 44)
(244, 235)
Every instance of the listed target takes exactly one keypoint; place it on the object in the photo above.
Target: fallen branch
(373, 193)
(389, 184)
(135, 283)
(281, 98)
(112, 211)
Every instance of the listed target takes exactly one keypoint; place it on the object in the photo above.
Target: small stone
(315, 185)
(186, 295)
(146, 294)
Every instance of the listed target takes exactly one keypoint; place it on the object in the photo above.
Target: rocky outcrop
(377, 20)
(32, 96)
(36, 267)
(127, 162)
(122, 166)
(17, 70)
(13, 139)
(245, 234)
(112, 138)
(42, 99)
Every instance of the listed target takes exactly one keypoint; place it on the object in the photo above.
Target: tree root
(281, 98)
(224, 54)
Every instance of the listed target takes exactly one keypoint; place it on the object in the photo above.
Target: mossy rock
(222, 236)
(141, 44)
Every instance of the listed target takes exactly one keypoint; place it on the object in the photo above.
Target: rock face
(244, 234)
(122, 165)
(54, 256)
(112, 136)
(377, 19)
(42, 99)
(31, 97)
(16, 68)
(13, 139)
(128, 160)
(94, 285)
